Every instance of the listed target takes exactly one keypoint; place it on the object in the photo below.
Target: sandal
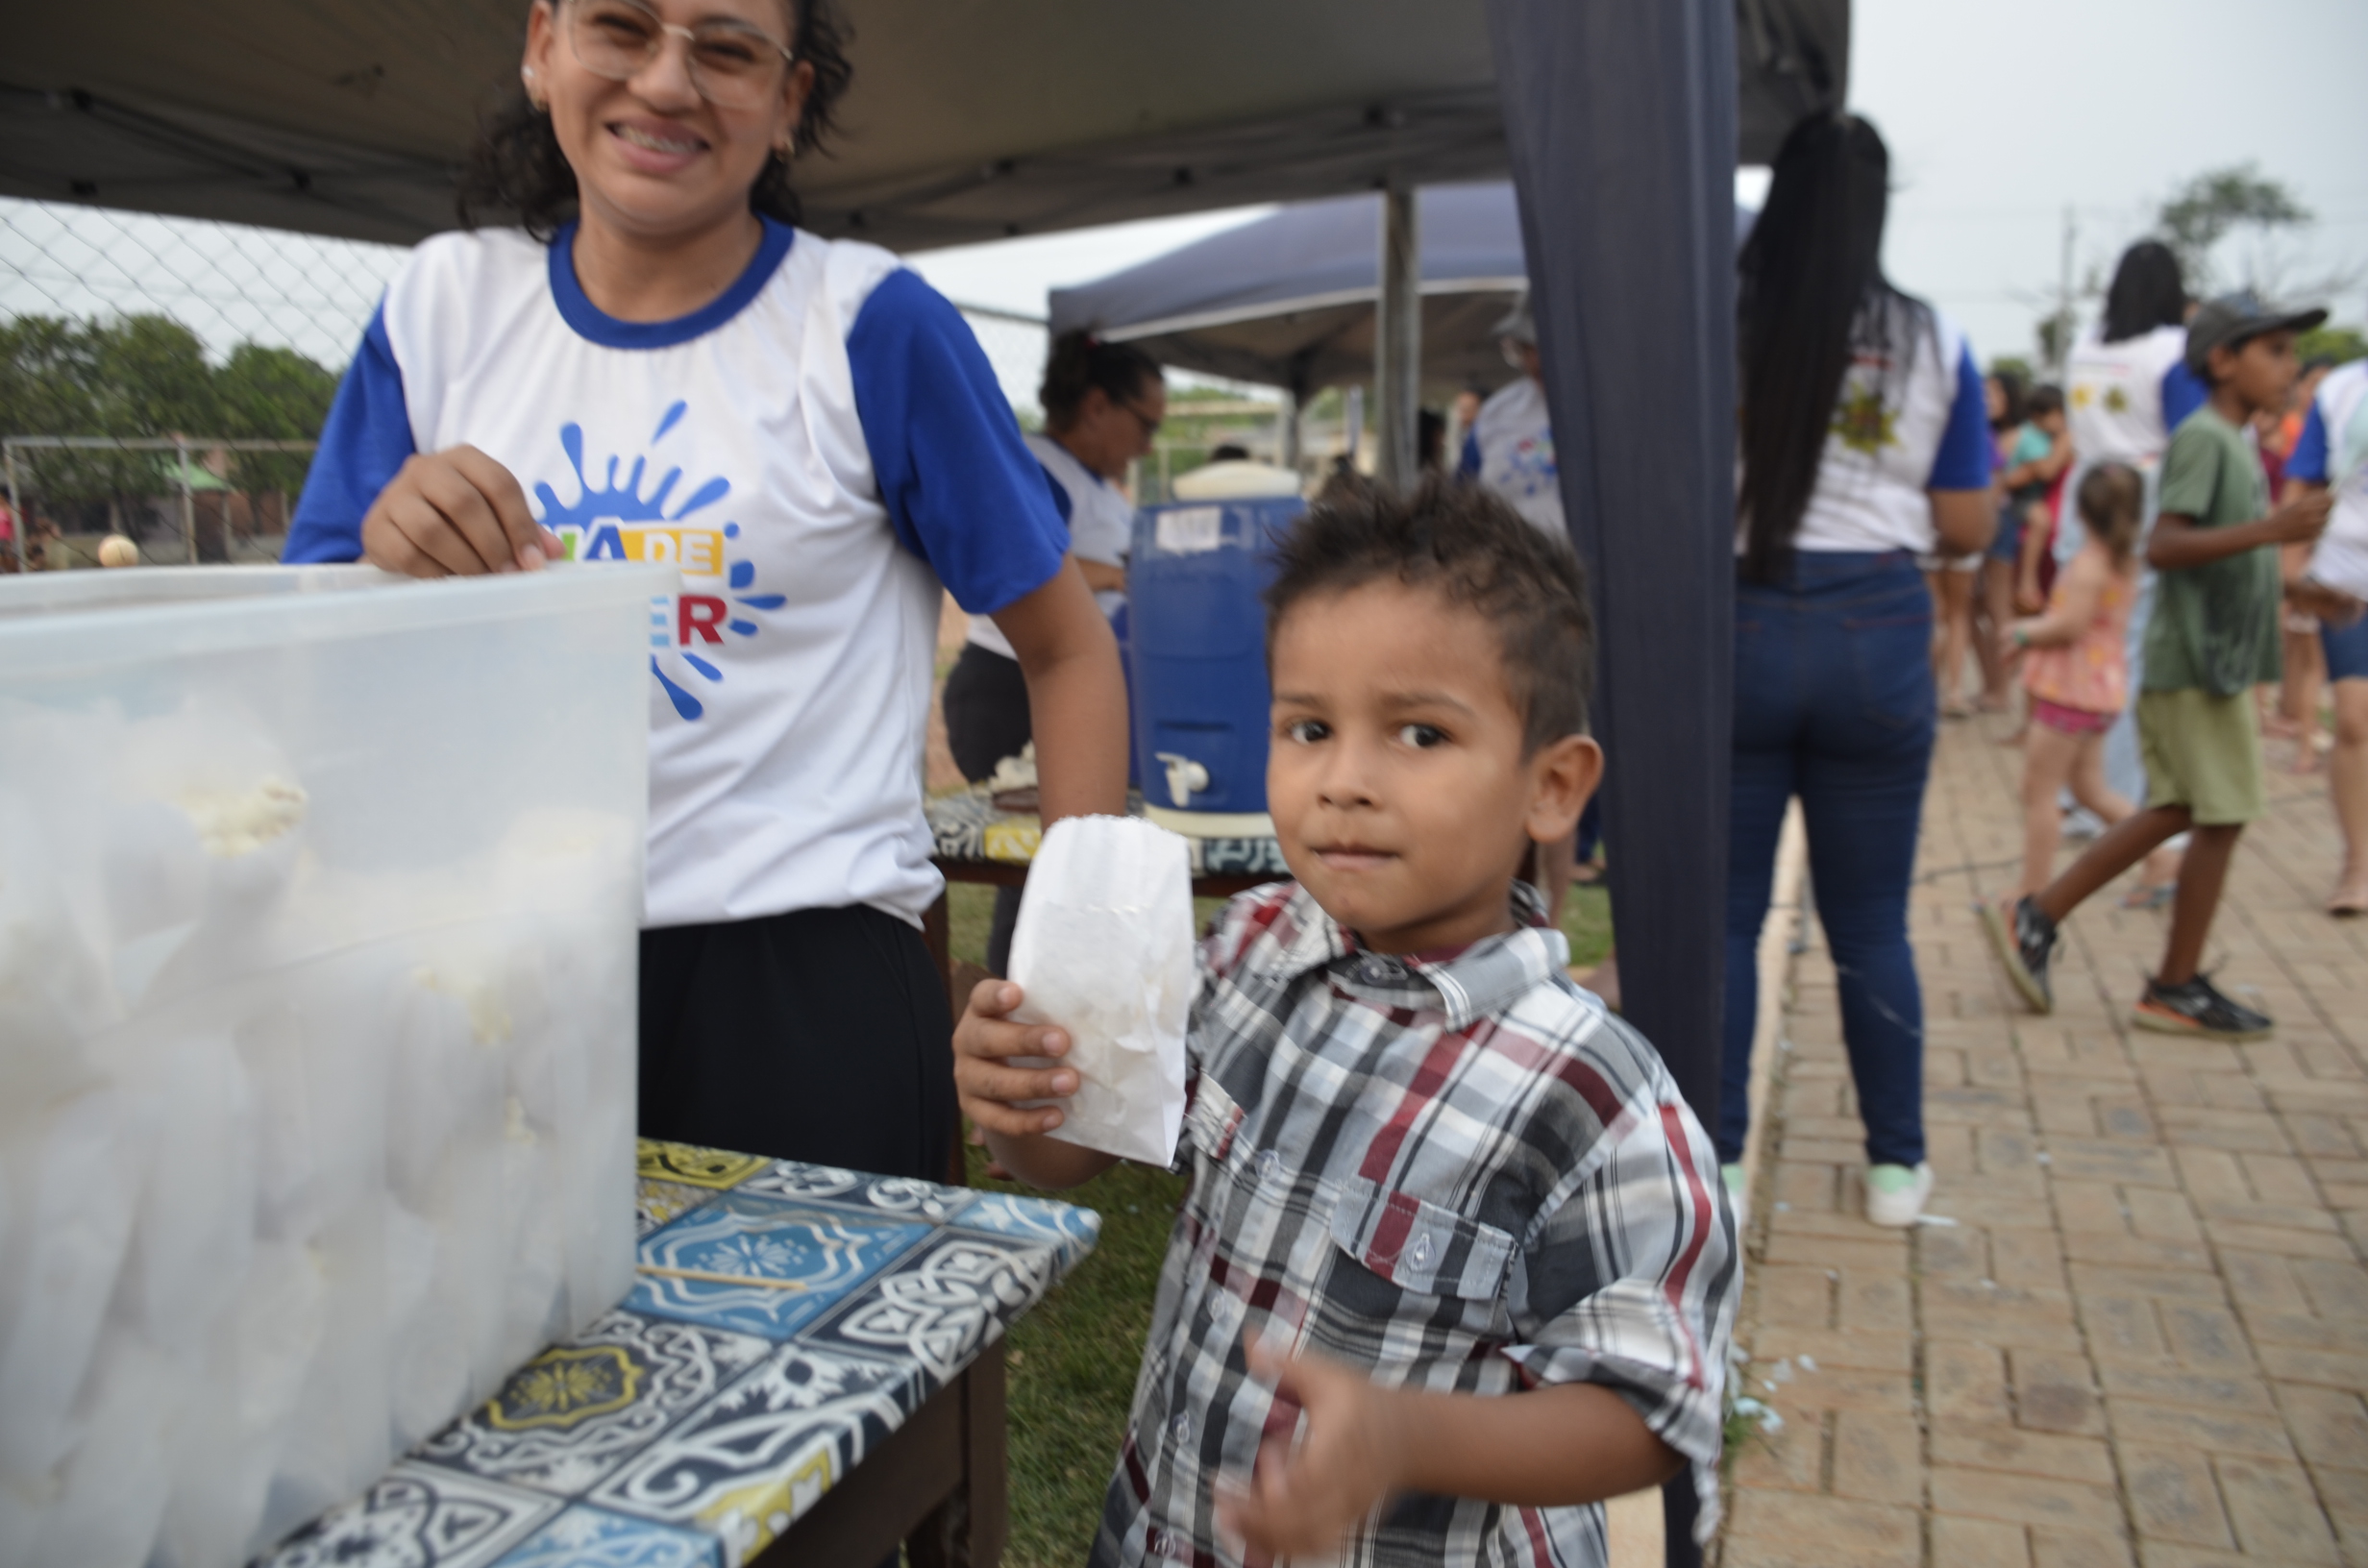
(2347, 906)
(2150, 896)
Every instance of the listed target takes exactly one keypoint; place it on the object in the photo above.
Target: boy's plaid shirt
(1459, 1174)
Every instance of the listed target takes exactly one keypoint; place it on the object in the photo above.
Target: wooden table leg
(897, 1490)
(968, 1528)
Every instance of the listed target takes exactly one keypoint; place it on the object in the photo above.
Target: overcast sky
(2000, 114)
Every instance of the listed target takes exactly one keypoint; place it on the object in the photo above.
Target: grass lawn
(1073, 1359)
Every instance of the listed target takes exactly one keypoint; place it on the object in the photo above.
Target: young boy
(1446, 1210)
(2214, 636)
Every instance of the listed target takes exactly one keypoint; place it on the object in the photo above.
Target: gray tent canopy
(969, 119)
(1288, 299)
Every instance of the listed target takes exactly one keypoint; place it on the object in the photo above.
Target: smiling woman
(520, 166)
(673, 372)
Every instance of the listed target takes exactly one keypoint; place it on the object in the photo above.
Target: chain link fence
(162, 379)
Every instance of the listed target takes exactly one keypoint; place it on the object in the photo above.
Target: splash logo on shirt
(1863, 423)
(1528, 468)
(616, 522)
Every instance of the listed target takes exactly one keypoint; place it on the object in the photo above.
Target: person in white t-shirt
(1104, 402)
(659, 366)
(1863, 443)
(1510, 450)
(1510, 447)
(2332, 452)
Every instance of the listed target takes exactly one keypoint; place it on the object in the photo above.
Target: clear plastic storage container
(319, 894)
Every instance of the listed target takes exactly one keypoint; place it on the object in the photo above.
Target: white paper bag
(1104, 949)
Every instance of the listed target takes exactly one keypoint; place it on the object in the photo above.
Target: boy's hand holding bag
(1104, 950)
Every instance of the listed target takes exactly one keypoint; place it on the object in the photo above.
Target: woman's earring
(525, 74)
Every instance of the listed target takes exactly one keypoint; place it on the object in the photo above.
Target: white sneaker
(1895, 1195)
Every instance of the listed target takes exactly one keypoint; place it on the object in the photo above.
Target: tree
(147, 376)
(2205, 211)
(2341, 344)
(271, 395)
(152, 379)
(2224, 205)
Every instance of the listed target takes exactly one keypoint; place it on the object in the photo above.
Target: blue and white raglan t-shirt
(2123, 400)
(1101, 525)
(1511, 451)
(816, 449)
(1911, 418)
(2333, 451)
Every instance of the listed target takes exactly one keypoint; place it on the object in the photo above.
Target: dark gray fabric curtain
(1619, 115)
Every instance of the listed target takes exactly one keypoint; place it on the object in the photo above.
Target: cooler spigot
(1185, 777)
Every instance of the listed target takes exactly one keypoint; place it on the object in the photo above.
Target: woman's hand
(1101, 576)
(1963, 521)
(455, 513)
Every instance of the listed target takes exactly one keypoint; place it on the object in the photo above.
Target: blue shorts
(2006, 544)
(2347, 650)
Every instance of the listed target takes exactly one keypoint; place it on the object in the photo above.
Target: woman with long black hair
(675, 372)
(1104, 402)
(1865, 443)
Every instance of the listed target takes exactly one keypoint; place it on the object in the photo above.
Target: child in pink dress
(2076, 671)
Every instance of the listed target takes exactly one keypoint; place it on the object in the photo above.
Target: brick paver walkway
(2144, 1339)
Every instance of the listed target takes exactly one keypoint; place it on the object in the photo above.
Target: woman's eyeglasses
(731, 64)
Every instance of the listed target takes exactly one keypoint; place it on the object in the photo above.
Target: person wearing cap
(2330, 457)
(2127, 387)
(2213, 638)
(1510, 447)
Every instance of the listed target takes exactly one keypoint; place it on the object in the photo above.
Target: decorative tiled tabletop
(784, 1319)
(965, 825)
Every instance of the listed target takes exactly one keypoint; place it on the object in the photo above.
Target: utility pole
(2060, 340)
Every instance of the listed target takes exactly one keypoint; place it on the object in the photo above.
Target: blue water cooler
(1198, 646)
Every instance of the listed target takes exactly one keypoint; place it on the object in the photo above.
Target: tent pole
(17, 507)
(188, 507)
(1286, 431)
(1620, 122)
(1397, 341)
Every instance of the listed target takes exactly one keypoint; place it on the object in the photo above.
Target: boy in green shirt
(2213, 637)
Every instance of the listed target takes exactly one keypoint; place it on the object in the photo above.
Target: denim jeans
(1834, 702)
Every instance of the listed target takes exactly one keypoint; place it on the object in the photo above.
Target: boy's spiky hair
(1465, 543)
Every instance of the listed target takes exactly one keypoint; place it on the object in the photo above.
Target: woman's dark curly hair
(516, 168)
(1078, 362)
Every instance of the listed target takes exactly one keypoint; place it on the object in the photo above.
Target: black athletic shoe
(2024, 948)
(2197, 1008)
